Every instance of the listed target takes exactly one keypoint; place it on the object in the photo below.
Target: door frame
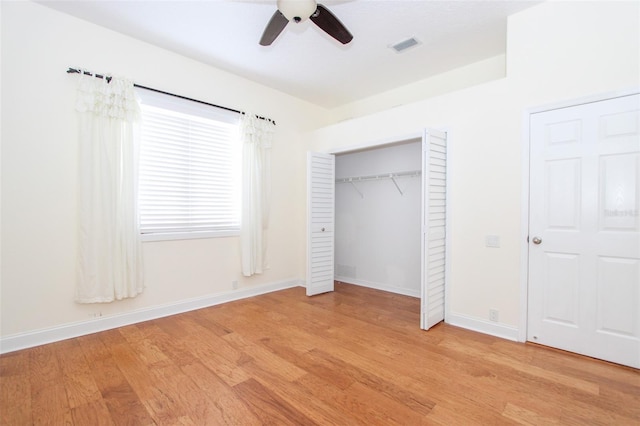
(524, 213)
(419, 135)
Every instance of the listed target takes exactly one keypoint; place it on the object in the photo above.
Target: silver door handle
(537, 240)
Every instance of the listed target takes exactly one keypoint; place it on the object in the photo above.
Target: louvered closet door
(434, 205)
(320, 223)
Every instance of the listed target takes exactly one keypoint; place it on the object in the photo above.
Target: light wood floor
(355, 356)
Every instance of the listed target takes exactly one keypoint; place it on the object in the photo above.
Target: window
(189, 173)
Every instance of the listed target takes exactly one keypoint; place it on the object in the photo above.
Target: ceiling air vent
(405, 44)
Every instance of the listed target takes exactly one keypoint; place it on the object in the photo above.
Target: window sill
(188, 235)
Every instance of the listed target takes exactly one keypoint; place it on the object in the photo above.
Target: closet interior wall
(377, 213)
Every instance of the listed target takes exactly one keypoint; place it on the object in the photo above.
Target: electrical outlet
(234, 284)
(493, 315)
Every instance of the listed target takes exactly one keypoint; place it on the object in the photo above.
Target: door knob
(537, 240)
(322, 229)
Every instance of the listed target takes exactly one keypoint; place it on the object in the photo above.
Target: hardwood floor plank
(216, 354)
(124, 406)
(386, 410)
(268, 407)
(359, 404)
(168, 394)
(122, 402)
(93, 348)
(352, 410)
(306, 403)
(15, 388)
(232, 410)
(352, 357)
(203, 317)
(173, 348)
(93, 413)
(81, 389)
(71, 357)
(395, 310)
(559, 378)
(625, 378)
(265, 358)
(133, 370)
(624, 403)
(14, 363)
(148, 353)
(44, 368)
(442, 386)
(50, 406)
(524, 416)
(393, 390)
(15, 400)
(307, 362)
(187, 396)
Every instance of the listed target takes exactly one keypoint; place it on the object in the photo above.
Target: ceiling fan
(297, 11)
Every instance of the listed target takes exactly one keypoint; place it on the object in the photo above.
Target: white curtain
(257, 136)
(109, 261)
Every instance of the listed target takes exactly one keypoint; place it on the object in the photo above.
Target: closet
(377, 217)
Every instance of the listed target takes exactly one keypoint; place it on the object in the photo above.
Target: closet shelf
(353, 179)
(412, 173)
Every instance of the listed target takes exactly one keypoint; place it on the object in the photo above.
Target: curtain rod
(108, 78)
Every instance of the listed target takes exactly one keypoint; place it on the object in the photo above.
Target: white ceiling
(304, 61)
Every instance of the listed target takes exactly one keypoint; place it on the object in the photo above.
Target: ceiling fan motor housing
(297, 10)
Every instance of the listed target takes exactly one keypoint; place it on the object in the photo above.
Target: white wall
(556, 51)
(39, 165)
(467, 76)
(377, 238)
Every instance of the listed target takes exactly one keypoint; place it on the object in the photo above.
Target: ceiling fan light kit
(296, 11)
(299, 10)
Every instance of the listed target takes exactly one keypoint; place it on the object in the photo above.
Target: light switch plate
(492, 241)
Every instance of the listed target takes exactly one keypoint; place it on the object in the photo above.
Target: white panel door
(320, 223)
(434, 203)
(584, 230)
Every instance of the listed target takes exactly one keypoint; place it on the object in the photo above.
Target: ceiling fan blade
(330, 24)
(274, 28)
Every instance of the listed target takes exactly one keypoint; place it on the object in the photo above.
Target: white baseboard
(54, 334)
(487, 327)
(379, 286)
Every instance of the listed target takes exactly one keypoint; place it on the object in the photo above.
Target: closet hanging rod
(379, 176)
(108, 78)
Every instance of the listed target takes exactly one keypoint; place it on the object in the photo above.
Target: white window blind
(189, 173)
